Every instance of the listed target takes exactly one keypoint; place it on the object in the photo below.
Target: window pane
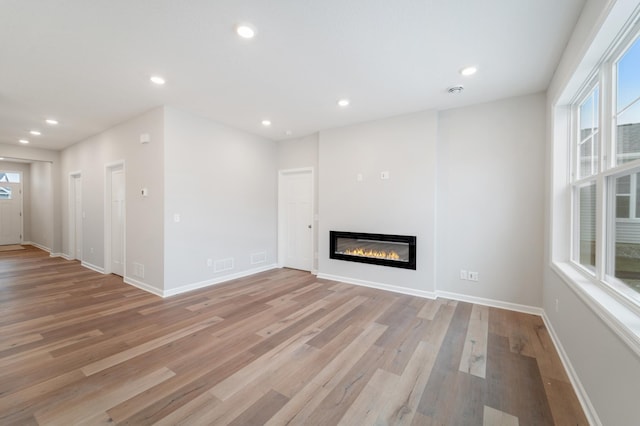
(627, 238)
(9, 177)
(628, 134)
(585, 158)
(623, 185)
(596, 103)
(589, 156)
(588, 136)
(629, 76)
(628, 105)
(637, 175)
(5, 193)
(622, 206)
(586, 117)
(587, 202)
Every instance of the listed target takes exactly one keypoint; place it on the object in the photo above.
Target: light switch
(384, 175)
(359, 177)
(176, 217)
(144, 192)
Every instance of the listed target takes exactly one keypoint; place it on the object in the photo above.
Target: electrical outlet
(473, 276)
(463, 274)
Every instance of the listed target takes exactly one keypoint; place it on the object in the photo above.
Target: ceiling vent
(455, 89)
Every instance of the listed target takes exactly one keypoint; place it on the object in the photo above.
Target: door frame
(21, 183)
(108, 170)
(282, 174)
(72, 215)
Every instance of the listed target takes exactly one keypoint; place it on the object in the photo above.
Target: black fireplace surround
(397, 251)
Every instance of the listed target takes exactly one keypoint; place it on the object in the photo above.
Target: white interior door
(10, 208)
(117, 221)
(296, 219)
(76, 217)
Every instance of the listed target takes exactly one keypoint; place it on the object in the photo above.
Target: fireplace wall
(403, 204)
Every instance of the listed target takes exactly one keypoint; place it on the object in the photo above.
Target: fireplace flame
(379, 254)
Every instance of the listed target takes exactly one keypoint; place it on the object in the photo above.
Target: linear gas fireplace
(398, 251)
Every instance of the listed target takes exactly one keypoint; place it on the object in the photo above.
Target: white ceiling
(88, 63)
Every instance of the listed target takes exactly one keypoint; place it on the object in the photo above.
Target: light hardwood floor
(280, 347)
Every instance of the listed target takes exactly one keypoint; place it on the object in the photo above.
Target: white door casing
(295, 219)
(75, 216)
(117, 222)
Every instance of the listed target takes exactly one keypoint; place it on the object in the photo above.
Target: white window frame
(607, 170)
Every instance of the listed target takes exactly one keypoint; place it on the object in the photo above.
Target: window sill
(620, 318)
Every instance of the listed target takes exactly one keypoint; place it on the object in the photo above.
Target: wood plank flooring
(280, 347)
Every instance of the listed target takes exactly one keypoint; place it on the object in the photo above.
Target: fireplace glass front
(397, 251)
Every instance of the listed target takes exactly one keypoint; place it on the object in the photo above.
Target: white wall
(491, 199)
(298, 153)
(606, 367)
(303, 153)
(222, 182)
(144, 166)
(41, 195)
(404, 204)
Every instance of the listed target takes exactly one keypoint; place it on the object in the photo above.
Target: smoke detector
(455, 89)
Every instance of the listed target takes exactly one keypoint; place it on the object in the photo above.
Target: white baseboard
(379, 286)
(48, 250)
(41, 247)
(433, 295)
(143, 286)
(207, 283)
(491, 302)
(92, 267)
(589, 409)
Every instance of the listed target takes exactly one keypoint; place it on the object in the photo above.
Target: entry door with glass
(10, 208)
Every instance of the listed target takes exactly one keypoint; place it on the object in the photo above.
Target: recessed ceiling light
(1, 158)
(467, 71)
(35, 132)
(245, 31)
(266, 123)
(156, 79)
(51, 121)
(343, 102)
(24, 141)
